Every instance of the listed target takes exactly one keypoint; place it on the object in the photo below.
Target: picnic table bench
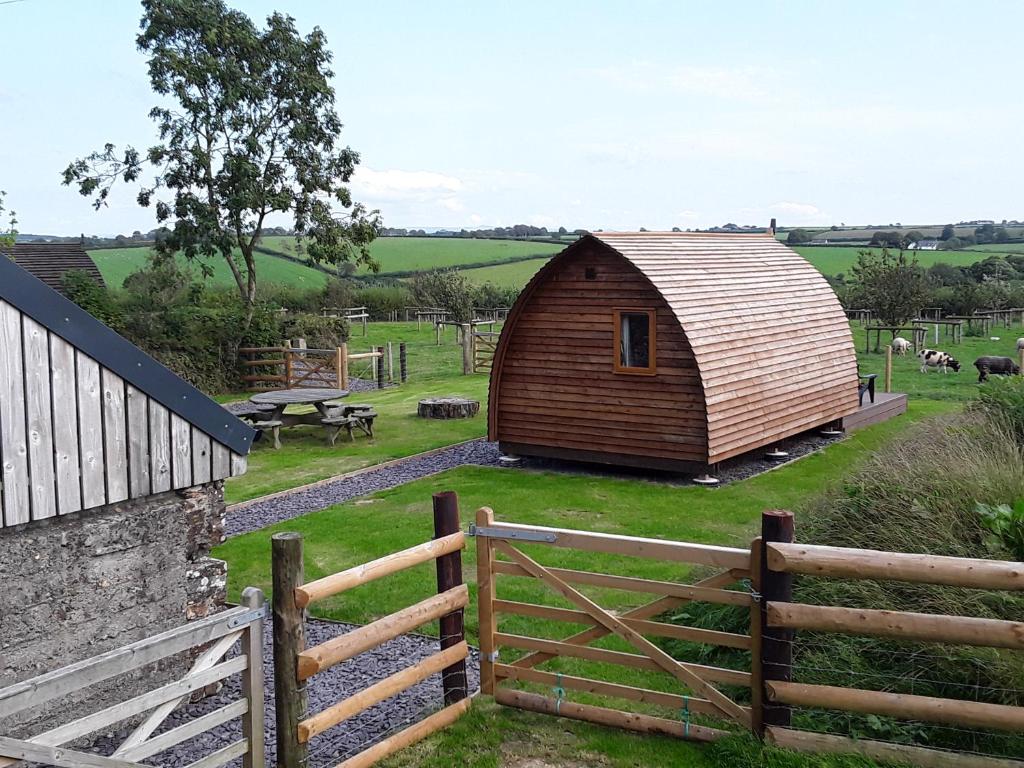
(349, 416)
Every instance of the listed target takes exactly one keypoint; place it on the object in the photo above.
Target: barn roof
(66, 319)
(771, 340)
(49, 261)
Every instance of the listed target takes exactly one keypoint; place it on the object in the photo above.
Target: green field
(514, 275)
(838, 259)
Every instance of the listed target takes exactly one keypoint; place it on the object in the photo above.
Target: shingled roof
(49, 261)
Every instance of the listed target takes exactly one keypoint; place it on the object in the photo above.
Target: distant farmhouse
(49, 262)
(926, 245)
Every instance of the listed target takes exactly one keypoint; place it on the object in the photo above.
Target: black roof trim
(80, 329)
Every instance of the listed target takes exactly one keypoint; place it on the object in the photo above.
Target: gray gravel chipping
(327, 688)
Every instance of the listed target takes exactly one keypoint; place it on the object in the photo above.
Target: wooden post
(757, 687)
(776, 643)
(380, 367)
(341, 365)
(437, 328)
(252, 683)
(288, 368)
(888, 369)
(467, 348)
(449, 576)
(290, 696)
(485, 599)
(403, 367)
(391, 362)
(1021, 362)
(366, 317)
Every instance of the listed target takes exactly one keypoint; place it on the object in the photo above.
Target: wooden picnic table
(282, 398)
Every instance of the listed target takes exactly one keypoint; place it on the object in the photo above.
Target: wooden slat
(378, 692)
(222, 756)
(160, 447)
(115, 438)
(193, 728)
(73, 677)
(238, 464)
(221, 462)
(90, 432)
(139, 460)
(338, 649)
(899, 754)
(841, 562)
(604, 716)
(13, 430)
(902, 706)
(339, 582)
(181, 452)
(635, 546)
(64, 383)
(409, 736)
(961, 630)
(654, 628)
(62, 758)
(554, 648)
(39, 416)
(632, 584)
(678, 669)
(202, 458)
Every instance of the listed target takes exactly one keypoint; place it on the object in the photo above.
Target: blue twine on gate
(559, 693)
(685, 712)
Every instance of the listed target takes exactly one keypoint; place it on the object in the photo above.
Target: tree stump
(448, 408)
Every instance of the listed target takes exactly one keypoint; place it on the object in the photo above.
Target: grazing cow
(932, 358)
(1002, 366)
(900, 345)
(1020, 344)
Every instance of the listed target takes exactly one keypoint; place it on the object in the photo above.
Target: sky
(594, 115)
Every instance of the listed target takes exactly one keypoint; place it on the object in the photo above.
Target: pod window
(634, 341)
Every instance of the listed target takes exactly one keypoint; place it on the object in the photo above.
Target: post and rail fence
(271, 368)
(295, 664)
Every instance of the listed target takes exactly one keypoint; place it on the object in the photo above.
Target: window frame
(652, 342)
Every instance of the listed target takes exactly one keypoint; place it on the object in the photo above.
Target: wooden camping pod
(749, 345)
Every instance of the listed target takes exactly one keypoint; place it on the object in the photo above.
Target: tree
(253, 133)
(947, 232)
(986, 233)
(444, 289)
(892, 286)
(912, 237)
(797, 236)
(9, 234)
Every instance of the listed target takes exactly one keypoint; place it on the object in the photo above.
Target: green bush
(1003, 398)
(82, 288)
(380, 300)
(319, 332)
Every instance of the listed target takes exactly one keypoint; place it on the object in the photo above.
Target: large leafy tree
(248, 129)
(892, 286)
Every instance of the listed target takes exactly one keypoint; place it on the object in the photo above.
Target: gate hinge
(248, 617)
(512, 534)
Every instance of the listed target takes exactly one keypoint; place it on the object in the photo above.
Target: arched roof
(770, 338)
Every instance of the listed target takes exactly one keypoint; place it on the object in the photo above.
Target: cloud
(788, 212)
(403, 185)
(688, 215)
(739, 83)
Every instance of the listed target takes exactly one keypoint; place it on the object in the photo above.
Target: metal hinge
(248, 617)
(511, 534)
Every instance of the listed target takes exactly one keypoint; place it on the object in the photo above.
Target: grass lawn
(514, 275)
(348, 534)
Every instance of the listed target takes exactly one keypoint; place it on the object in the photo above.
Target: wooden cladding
(74, 435)
(746, 345)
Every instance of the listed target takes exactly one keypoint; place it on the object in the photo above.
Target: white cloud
(788, 213)
(688, 215)
(740, 83)
(452, 204)
(403, 185)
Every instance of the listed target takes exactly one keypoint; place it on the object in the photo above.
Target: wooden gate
(700, 694)
(217, 634)
(484, 345)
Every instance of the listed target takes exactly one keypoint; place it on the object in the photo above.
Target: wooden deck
(886, 406)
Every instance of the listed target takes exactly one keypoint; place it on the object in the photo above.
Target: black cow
(1003, 366)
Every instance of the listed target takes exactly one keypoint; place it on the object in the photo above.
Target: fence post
(380, 367)
(467, 348)
(402, 362)
(449, 576)
(391, 362)
(252, 683)
(291, 699)
(888, 368)
(288, 367)
(776, 643)
(341, 365)
(437, 329)
(485, 598)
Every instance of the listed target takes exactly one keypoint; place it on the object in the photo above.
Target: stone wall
(75, 586)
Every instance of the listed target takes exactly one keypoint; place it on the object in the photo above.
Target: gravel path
(325, 689)
(263, 513)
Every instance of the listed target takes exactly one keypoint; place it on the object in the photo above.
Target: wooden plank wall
(74, 435)
(557, 387)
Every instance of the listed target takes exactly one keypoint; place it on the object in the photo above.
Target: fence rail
(294, 664)
(216, 634)
(290, 367)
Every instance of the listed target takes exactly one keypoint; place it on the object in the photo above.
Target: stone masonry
(76, 586)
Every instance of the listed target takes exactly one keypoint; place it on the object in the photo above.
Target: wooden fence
(216, 634)
(290, 367)
(703, 697)
(485, 343)
(294, 664)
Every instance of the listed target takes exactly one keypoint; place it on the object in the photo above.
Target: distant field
(833, 261)
(866, 233)
(403, 254)
(116, 264)
(514, 275)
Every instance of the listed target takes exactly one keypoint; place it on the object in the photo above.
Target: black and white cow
(932, 358)
(1003, 366)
